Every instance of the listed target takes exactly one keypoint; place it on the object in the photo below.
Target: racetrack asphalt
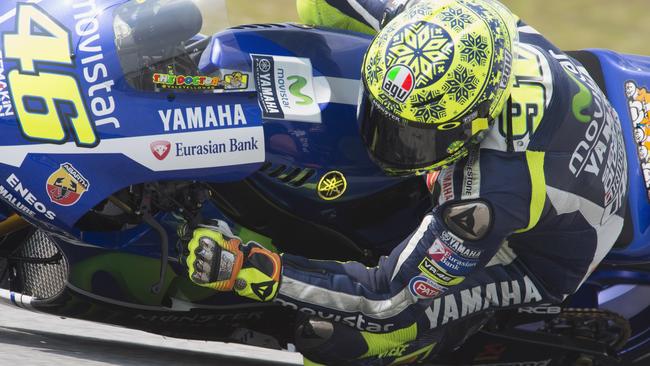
(33, 339)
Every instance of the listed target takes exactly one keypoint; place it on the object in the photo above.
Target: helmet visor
(400, 145)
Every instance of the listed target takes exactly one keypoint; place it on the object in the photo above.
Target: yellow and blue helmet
(434, 80)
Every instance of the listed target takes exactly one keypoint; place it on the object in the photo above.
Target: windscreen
(160, 43)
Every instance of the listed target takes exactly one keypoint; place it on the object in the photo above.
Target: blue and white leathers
(523, 220)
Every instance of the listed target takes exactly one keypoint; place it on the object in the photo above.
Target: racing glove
(218, 260)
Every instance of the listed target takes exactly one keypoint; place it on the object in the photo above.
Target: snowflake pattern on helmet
(478, 9)
(420, 10)
(474, 49)
(374, 72)
(433, 107)
(456, 18)
(461, 82)
(425, 48)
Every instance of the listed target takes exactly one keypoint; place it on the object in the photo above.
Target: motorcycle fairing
(130, 133)
(145, 135)
(617, 71)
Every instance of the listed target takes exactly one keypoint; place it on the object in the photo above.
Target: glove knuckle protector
(214, 261)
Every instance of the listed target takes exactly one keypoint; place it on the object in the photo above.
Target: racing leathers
(521, 221)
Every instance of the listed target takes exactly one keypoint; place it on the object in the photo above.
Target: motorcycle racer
(529, 180)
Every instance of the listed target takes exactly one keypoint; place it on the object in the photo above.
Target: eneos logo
(160, 149)
(66, 185)
(399, 83)
(423, 288)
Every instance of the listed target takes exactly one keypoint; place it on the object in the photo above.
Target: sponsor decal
(480, 298)
(540, 310)
(66, 185)
(199, 118)
(210, 148)
(160, 149)
(14, 190)
(263, 290)
(285, 88)
(199, 318)
(91, 55)
(409, 354)
(423, 288)
(472, 177)
(399, 83)
(439, 251)
(6, 108)
(456, 244)
(355, 321)
(332, 186)
(434, 272)
(395, 352)
(197, 150)
(601, 152)
(449, 261)
(233, 81)
(521, 363)
(447, 184)
(431, 179)
(638, 99)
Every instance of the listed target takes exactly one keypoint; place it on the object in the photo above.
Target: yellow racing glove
(218, 260)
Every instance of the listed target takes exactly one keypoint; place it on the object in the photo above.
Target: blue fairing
(126, 123)
(130, 125)
(618, 70)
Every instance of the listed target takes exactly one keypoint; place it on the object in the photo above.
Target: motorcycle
(123, 127)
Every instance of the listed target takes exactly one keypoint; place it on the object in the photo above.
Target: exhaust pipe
(16, 299)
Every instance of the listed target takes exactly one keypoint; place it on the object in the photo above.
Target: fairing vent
(42, 281)
(292, 176)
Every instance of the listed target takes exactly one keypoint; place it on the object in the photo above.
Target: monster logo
(66, 185)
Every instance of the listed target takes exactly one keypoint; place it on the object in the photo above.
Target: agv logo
(399, 82)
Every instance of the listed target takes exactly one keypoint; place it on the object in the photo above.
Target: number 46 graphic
(48, 104)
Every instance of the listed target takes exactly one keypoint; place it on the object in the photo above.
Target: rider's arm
(460, 237)
(356, 15)
(364, 16)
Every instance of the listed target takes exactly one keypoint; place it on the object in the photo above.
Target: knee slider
(312, 333)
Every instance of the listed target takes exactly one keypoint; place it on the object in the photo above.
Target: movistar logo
(299, 83)
(581, 101)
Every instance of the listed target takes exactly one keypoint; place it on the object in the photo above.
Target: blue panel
(154, 135)
(618, 69)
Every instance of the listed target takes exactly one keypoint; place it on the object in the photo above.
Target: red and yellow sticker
(66, 185)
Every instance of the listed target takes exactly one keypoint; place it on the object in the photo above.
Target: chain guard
(601, 326)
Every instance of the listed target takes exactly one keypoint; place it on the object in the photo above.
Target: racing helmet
(433, 82)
